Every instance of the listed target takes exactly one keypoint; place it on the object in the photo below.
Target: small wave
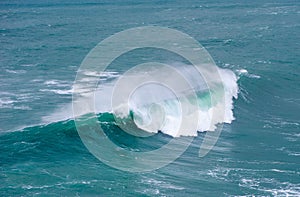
(244, 72)
(161, 184)
(8, 103)
(10, 100)
(61, 92)
(102, 75)
(15, 71)
(28, 65)
(58, 83)
(249, 178)
(282, 189)
(76, 182)
(51, 82)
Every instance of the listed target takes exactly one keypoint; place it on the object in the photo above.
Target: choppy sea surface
(43, 44)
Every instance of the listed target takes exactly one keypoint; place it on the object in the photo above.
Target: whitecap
(15, 71)
(60, 92)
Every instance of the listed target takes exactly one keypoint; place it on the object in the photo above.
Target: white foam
(9, 103)
(57, 83)
(175, 117)
(15, 71)
(179, 123)
(61, 92)
(107, 74)
(244, 72)
(29, 65)
(51, 82)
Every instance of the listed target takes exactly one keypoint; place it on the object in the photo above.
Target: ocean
(47, 151)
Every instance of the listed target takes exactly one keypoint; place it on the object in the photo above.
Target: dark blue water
(43, 45)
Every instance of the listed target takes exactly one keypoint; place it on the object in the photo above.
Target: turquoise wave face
(39, 138)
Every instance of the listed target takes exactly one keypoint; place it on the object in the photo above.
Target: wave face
(62, 136)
